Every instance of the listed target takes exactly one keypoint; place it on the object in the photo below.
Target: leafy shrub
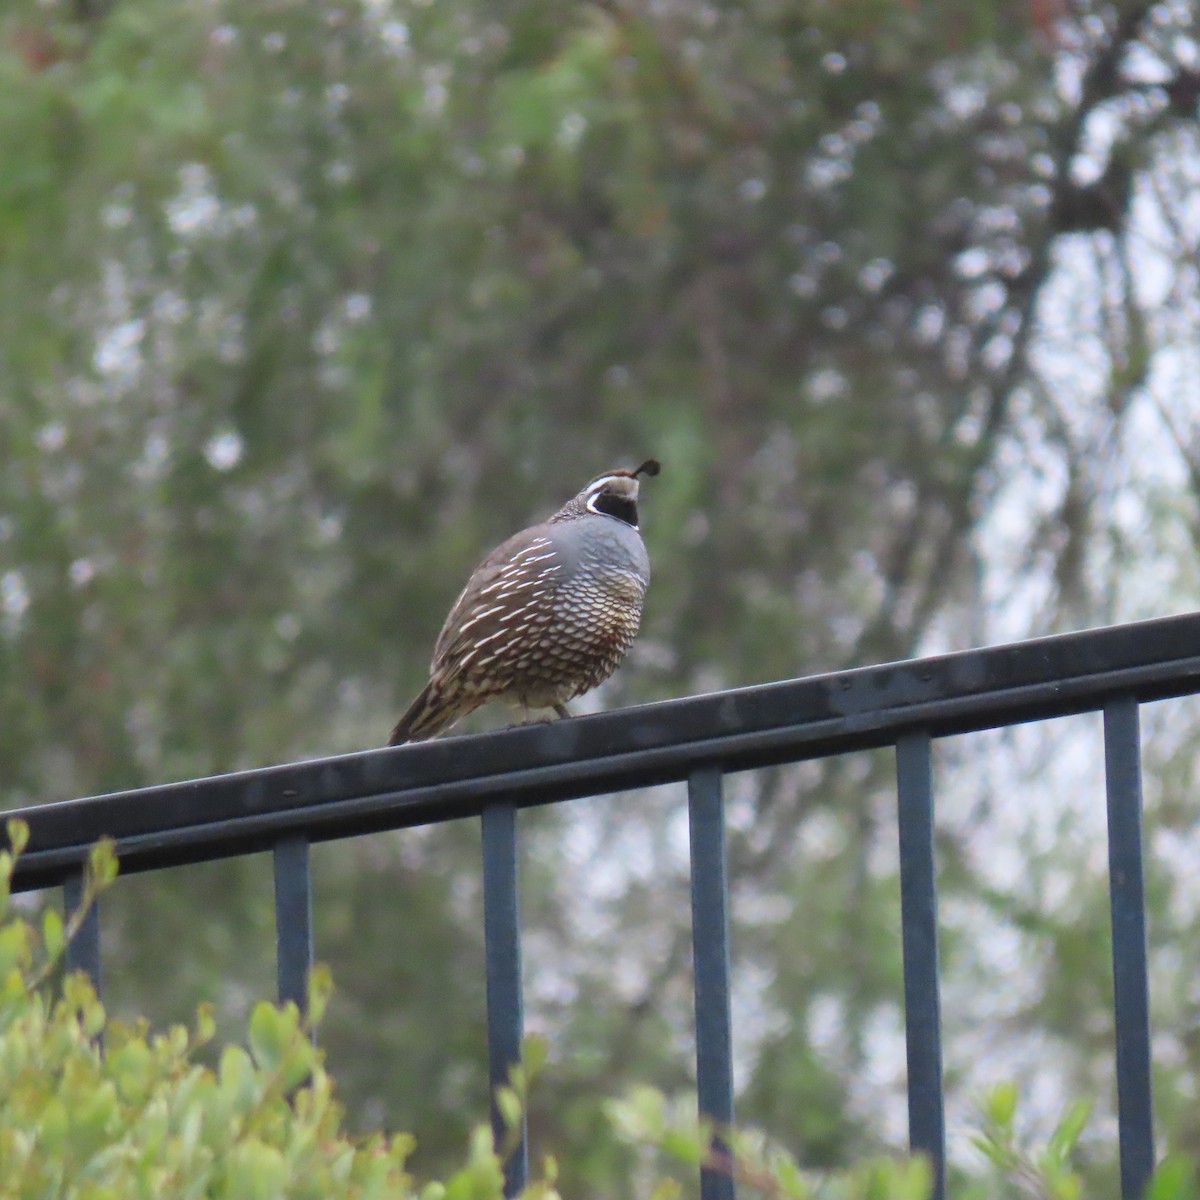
(141, 1117)
(96, 1109)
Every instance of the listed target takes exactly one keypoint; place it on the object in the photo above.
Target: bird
(546, 616)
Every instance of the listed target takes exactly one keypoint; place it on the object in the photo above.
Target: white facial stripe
(602, 483)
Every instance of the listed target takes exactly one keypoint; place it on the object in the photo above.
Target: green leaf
(54, 1125)
(482, 1146)
(888, 1179)
(1000, 1105)
(509, 1104)
(206, 1025)
(102, 863)
(320, 989)
(667, 1189)
(914, 1179)
(18, 835)
(482, 1178)
(93, 1016)
(14, 947)
(269, 1035)
(131, 1068)
(1173, 1179)
(688, 1145)
(790, 1177)
(53, 938)
(256, 1172)
(640, 1116)
(1066, 1133)
(299, 1061)
(535, 1051)
(1065, 1186)
(79, 995)
(239, 1090)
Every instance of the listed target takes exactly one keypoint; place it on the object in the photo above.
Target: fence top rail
(655, 743)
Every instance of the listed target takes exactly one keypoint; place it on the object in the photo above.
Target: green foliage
(1014, 1167)
(1056, 1171)
(99, 1108)
(136, 1114)
(1051, 1173)
(645, 1117)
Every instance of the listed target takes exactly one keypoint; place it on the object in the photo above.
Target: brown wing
(509, 578)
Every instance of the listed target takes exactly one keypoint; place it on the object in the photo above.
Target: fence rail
(698, 740)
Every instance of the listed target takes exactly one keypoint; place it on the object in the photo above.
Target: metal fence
(698, 740)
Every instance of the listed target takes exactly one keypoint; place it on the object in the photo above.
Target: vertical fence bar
(918, 906)
(293, 920)
(1131, 998)
(83, 950)
(710, 950)
(502, 948)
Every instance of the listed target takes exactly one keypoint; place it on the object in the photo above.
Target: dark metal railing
(697, 740)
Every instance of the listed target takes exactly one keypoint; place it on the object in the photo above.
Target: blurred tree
(304, 306)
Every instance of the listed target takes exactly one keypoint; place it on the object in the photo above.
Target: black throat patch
(621, 507)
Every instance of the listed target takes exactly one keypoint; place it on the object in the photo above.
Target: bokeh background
(304, 304)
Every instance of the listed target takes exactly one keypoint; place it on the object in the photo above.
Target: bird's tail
(430, 713)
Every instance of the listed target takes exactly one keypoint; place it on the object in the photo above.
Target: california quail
(546, 616)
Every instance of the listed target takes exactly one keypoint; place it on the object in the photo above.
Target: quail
(547, 616)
